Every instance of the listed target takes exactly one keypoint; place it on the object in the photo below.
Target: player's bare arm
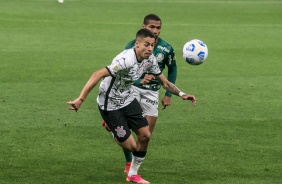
(174, 90)
(91, 83)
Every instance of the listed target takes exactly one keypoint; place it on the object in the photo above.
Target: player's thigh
(117, 122)
(149, 102)
(152, 122)
(134, 116)
(128, 144)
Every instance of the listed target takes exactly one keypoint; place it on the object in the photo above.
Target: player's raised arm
(91, 83)
(174, 90)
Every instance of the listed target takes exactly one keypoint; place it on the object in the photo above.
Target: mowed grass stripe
(135, 24)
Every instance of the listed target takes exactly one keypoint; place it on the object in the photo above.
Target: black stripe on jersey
(108, 92)
(109, 71)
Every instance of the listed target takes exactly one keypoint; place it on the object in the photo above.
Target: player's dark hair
(149, 17)
(144, 33)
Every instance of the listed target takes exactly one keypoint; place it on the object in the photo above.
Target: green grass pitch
(48, 51)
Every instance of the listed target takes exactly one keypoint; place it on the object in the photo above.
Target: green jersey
(166, 57)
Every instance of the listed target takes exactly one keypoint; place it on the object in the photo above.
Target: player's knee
(128, 144)
(144, 137)
(130, 148)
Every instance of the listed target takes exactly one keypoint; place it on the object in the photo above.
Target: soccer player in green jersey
(147, 95)
(165, 56)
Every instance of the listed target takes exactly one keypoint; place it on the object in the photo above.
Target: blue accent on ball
(189, 60)
(201, 55)
(191, 47)
(202, 43)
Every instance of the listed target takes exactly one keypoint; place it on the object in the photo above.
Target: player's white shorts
(148, 100)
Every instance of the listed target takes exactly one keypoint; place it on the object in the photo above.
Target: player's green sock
(127, 155)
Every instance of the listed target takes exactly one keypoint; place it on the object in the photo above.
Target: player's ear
(143, 26)
(136, 44)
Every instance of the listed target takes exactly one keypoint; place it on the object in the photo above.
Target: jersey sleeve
(119, 63)
(154, 69)
(172, 69)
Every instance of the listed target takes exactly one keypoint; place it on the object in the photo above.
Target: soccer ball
(195, 52)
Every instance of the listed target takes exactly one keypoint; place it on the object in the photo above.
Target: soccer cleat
(104, 124)
(127, 167)
(136, 179)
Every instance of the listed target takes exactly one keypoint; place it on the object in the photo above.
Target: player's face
(144, 48)
(153, 26)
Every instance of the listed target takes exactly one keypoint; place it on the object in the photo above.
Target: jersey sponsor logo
(163, 48)
(152, 86)
(146, 86)
(120, 131)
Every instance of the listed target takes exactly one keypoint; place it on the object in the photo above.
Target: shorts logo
(153, 102)
(120, 131)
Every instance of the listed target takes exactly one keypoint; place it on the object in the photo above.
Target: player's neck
(138, 59)
(157, 39)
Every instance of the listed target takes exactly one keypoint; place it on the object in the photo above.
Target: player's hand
(147, 78)
(75, 105)
(166, 101)
(189, 97)
(104, 124)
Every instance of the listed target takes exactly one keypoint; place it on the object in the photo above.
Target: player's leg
(138, 156)
(117, 123)
(128, 154)
(152, 122)
(149, 104)
(140, 126)
(129, 144)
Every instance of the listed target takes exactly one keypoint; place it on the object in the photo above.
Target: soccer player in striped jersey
(116, 102)
(147, 94)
